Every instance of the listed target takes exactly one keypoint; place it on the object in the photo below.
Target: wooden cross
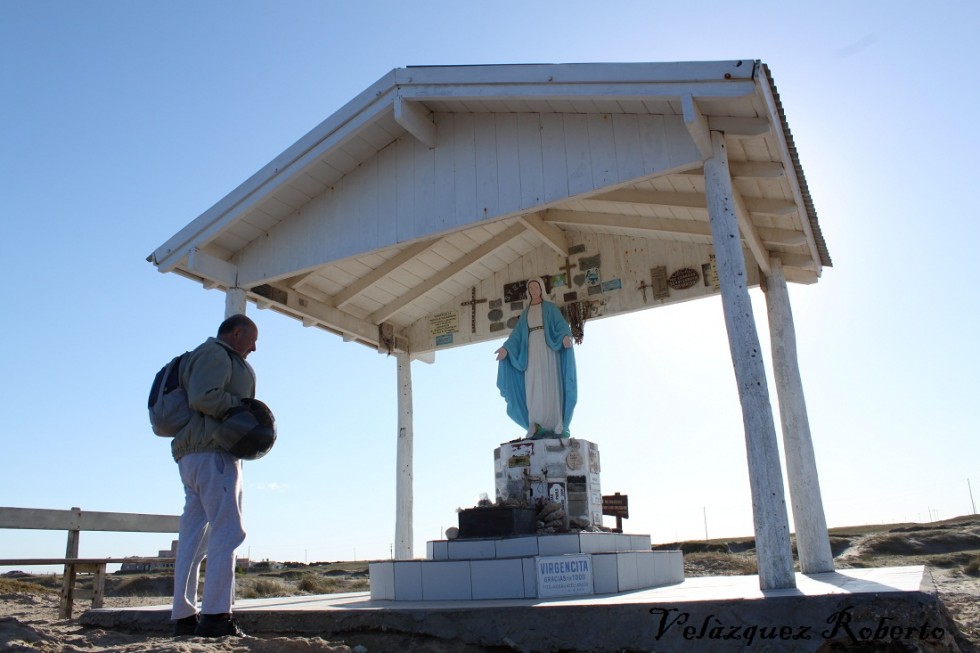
(568, 271)
(472, 304)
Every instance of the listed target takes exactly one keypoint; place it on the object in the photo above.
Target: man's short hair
(235, 322)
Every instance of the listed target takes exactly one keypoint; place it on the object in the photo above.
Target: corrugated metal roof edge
(804, 189)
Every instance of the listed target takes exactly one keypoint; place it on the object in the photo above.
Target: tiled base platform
(506, 568)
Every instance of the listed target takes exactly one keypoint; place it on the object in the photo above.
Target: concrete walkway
(886, 606)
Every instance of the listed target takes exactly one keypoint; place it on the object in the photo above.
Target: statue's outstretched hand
(501, 354)
(568, 342)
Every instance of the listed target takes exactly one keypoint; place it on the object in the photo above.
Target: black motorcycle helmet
(247, 431)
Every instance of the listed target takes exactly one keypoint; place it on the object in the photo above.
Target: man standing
(217, 378)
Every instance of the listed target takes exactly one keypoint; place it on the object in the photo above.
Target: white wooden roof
(437, 185)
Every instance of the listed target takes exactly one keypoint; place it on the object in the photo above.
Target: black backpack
(169, 410)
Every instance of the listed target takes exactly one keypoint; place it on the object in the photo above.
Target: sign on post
(618, 506)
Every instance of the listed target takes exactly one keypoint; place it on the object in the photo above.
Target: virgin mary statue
(536, 368)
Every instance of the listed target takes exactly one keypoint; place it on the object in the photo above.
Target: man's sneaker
(185, 627)
(218, 625)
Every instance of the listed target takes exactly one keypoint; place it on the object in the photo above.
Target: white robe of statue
(542, 379)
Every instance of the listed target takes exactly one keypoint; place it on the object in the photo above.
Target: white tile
(669, 567)
(446, 580)
(517, 547)
(597, 542)
(382, 577)
(408, 580)
(552, 545)
(437, 550)
(605, 574)
(497, 579)
(639, 542)
(628, 576)
(645, 568)
(471, 550)
(530, 578)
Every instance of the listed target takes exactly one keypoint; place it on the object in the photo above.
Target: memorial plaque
(683, 279)
(443, 323)
(658, 279)
(556, 492)
(516, 291)
(566, 575)
(592, 276)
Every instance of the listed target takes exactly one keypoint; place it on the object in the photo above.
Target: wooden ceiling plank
(380, 272)
(500, 239)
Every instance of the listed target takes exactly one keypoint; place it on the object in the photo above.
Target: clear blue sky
(120, 122)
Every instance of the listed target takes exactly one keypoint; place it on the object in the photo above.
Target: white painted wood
(739, 127)
(388, 310)
(378, 273)
(771, 104)
(775, 557)
(423, 189)
(211, 268)
(812, 540)
(697, 124)
(404, 494)
(416, 120)
(234, 302)
(749, 233)
(552, 236)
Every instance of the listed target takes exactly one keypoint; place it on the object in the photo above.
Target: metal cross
(643, 286)
(472, 304)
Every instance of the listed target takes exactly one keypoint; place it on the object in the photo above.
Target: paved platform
(853, 607)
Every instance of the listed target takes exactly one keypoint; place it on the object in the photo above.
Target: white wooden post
(812, 540)
(234, 302)
(403, 483)
(774, 553)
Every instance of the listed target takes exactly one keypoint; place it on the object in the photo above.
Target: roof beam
(749, 234)
(552, 236)
(314, 312)
(448, 272)
(212, 269)
(697, 125)
(416, 120)
(748, 170)
(739, 127)
(377, 274)
(784, 237)
(632, 222)
(692, 201)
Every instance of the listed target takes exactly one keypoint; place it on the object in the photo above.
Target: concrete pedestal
(563, 471)
(566, 564)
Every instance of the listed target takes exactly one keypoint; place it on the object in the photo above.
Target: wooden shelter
(409, 220)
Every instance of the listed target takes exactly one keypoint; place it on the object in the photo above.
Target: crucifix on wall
(472, 304)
